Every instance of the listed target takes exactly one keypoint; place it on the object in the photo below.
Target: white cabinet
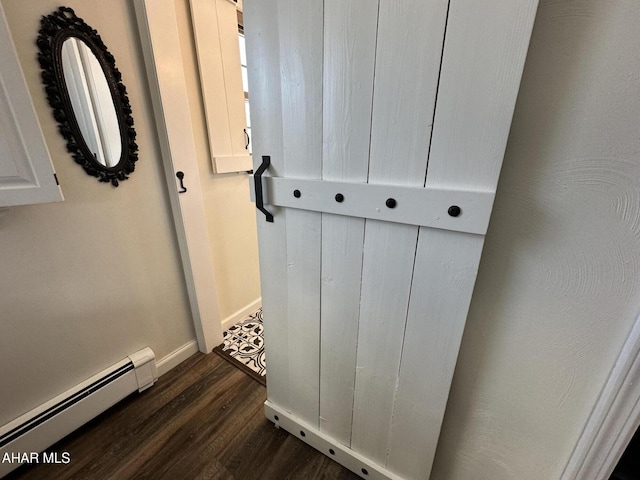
(215, 27)
(26, 171)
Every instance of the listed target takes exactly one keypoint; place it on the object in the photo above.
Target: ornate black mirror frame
(54, 30)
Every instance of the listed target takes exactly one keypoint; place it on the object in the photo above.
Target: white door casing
(160, 41)
(377, 118)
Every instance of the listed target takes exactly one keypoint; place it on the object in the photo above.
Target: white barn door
(380, 127)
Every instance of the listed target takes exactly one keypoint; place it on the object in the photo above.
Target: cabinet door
(385, 124)
(26, 172)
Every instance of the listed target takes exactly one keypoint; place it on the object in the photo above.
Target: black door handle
(246, 134)
(257, 179)
(180, 176)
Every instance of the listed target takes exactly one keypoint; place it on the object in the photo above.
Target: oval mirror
(89, 101)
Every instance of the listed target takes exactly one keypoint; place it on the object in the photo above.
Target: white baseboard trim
(346, 457)
(176, 357)
(241, 314)
(614, 418)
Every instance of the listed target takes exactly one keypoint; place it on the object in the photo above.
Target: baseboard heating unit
(43, 426)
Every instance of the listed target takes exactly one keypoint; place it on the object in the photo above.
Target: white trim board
(176, 357)
(241, 314)
(614, 418)
(345, 456)
(413, 205)
(159, 37)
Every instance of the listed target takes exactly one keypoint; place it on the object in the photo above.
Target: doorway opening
(628, 467)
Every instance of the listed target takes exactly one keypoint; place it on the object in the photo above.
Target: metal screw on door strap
(454, 210)
(339, 197)
(296, 193)
(391, 202)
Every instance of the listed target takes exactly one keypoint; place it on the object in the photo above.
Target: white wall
(87, 281)
(559, 282)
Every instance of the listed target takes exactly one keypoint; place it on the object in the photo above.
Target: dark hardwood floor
(202, 420)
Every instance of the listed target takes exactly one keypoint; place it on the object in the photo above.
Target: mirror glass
(92, 102)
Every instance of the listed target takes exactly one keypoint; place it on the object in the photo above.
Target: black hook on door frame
(180, 176)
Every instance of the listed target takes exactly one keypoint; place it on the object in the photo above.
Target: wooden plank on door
(480, 76)
(445, 272)
(349, 59)
(483, 59)
(386, 282)
(261, 34)
(410, 37)
(301, 60)
(408, 53)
